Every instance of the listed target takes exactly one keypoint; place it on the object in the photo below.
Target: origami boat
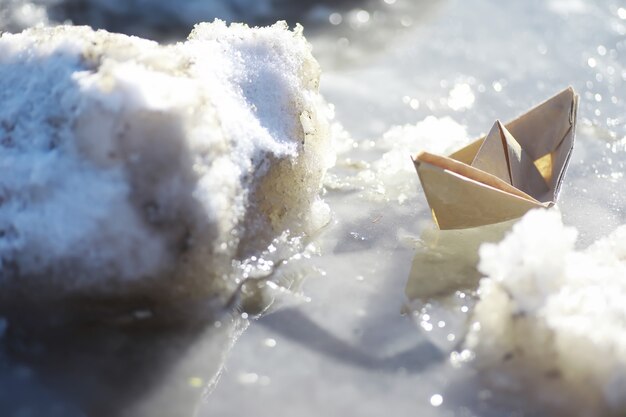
(518, 166)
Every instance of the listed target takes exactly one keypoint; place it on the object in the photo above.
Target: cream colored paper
(516, 167)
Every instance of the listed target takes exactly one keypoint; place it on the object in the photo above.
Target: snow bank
(552, 319)
(127, 165)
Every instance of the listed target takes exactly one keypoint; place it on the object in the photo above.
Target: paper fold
(514, 168)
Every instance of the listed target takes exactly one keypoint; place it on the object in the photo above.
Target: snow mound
(128, 165)
(552, 319)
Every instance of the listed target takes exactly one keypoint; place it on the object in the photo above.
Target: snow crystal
(129, 163)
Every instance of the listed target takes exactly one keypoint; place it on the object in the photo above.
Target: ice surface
(132, 165)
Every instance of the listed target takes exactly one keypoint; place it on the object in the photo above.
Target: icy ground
(446, 69)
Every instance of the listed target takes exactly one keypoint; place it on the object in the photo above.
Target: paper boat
(518, 166)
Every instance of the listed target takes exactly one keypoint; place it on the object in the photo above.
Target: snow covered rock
(131, 167)
(552, 319)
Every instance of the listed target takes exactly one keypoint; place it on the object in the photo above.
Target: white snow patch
(554, 318)
(392, 176)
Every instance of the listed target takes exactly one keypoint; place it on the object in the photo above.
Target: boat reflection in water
(441, 289)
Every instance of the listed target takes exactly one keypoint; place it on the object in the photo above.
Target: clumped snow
(16, 15)
(128, 165)
(391, 176)
(552, 319)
